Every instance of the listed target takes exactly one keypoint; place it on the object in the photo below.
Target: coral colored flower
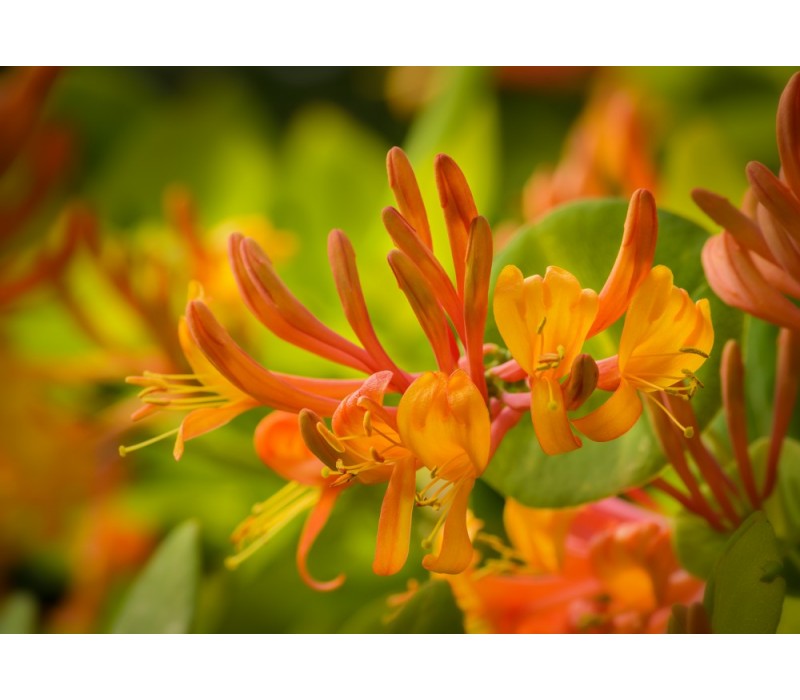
(615, 571)
(665, 340)
(444, 420)
(754, 264)
(363, 445)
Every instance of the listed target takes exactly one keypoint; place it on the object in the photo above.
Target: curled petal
(279, 445)
(633, 262)
(406, 192)
(549, 415)
(394, 525)
(313, 526)
(456, 550)
(613, 418)
(204, 420)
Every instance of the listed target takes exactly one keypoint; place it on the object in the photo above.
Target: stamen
(269, 518)
(124, 450)
(694, 351)
(688, 432)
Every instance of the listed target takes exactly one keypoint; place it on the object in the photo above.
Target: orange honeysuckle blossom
(607, 567)
(363, 445)
(665, 339)
(444, 420)
(544, 322)
(449, 421)
(754, 264)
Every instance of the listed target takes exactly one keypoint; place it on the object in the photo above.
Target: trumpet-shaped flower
(209, 399)
(607, 567)
(445, 422)
(544, 322)
(665, 339)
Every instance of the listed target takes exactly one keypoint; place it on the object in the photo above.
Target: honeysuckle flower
(754, 264)
(665, 339)
(545, 322)
(363, 444)
(209, 399)
(605, 154)
(444, 421)
(607, 567)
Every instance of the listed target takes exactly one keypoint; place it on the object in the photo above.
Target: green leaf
(745, 593)
(584, 238)
(18, 615)
(431, 610)
(162, 599)
(697, 545)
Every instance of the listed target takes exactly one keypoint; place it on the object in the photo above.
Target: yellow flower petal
(614, 418)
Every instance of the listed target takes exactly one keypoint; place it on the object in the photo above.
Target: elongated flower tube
(754, 264)
(665, 339)
(209, 399)
(444, 421)
(544, 322)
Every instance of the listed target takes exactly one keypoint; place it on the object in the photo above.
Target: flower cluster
(431, 445)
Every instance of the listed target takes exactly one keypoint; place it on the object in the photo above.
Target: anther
(694, 351)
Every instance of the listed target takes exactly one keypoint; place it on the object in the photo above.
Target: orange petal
(538, 534)
(316, 521)
(345, 274)
(513, 305)
(204, 420)
(243, 371)
(734, 221)
(456, 550)
(279, 445)
(476, 297)
(634, 260)
(459, 208)
(406, 192)
(788, 128)
(614, 418)
(426, 309)
(549, 415)
(394, 525)
(406, 240)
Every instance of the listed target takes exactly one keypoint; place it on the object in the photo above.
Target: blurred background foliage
(284, 155)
